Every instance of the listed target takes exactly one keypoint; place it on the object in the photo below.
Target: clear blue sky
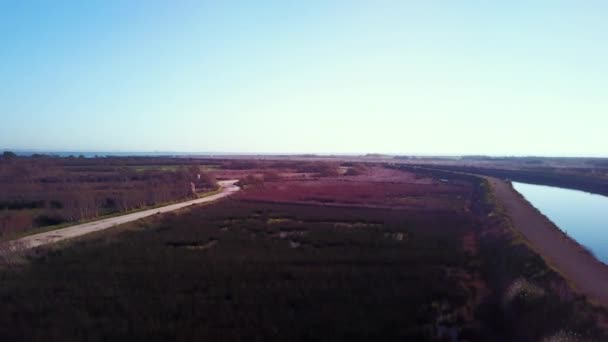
(430, 77)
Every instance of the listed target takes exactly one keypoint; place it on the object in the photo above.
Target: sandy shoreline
(587, 274)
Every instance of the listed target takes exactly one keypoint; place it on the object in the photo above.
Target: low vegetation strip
(31, 241)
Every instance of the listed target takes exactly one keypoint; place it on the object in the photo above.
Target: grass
(224, 272)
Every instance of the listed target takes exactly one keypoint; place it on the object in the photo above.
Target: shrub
(271, 176)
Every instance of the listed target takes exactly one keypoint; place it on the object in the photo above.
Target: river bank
(585, 273)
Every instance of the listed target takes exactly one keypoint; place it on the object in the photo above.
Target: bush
(355, 170)
(13, 222)
(323, 169)
(251, 180)
(49, 220)
(271, 176)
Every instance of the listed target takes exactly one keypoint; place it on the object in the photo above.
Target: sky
(399, 77)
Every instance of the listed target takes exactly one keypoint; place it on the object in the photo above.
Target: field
(303, 253)
(365, 194)
(586, 174)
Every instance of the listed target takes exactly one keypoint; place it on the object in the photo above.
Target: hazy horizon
(87, 153)
(325, 77)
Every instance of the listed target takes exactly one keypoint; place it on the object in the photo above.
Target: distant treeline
(41, 191)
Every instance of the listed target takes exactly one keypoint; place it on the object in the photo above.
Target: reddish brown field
(236, 174)
(378, 187)
(383, 174)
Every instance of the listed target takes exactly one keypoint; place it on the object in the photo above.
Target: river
(583, 216)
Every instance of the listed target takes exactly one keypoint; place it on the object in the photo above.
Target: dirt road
(585, 273)
(31, 241)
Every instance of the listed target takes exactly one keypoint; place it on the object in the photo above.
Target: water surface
(583, 216)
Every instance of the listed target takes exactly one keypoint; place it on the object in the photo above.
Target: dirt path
(31, 241)
(585, 273)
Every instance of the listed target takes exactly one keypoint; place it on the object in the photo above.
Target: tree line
(37, 192)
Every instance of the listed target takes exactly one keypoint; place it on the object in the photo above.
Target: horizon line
(266, 153)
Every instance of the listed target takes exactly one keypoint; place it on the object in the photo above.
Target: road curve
(588, 275)
(227, 187)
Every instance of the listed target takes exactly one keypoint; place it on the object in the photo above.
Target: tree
(9, 155)
(208, 179)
